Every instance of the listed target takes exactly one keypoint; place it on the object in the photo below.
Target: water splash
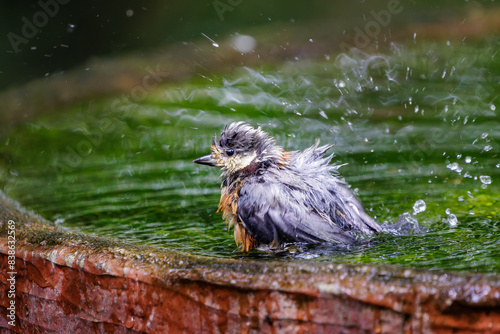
(406, 225)
(364, 103)
(419, 206)
(485, 179)
(211, 40)
(454, 167)
(452, 220)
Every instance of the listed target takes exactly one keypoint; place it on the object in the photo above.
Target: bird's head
(242, 147)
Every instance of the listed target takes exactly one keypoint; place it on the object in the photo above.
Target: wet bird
(275, 198)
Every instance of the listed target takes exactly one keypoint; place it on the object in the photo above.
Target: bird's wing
(356, 217)
(331, 196)
(275, 213)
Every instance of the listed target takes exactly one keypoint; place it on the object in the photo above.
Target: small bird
(275, 198)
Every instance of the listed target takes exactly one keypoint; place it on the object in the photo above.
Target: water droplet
(484, 135)
(452, 220)
(455, 167)
(211, 40)
(341, 84)
(129, 13)
(468, 160)
(488, 148)
(70, 28)
(447, 211)
(243, 43)
(485, 179)
(492, 107)
(419, 206)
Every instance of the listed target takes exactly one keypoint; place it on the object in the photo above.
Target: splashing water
(485, 179)
(419, 206)
(134, 179)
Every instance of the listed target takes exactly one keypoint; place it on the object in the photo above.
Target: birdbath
(60, 277)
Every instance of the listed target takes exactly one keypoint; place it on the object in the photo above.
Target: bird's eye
(230, 153)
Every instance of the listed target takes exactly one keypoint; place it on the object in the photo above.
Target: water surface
(417, 127)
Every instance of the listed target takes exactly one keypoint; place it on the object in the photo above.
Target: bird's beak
(206, 160)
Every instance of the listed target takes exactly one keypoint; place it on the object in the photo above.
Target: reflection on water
(417, 127)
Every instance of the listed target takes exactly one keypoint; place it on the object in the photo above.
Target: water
(417, 127)
(419, 206)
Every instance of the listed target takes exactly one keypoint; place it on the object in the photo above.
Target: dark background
(84, 29)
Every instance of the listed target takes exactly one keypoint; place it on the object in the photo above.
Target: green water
(415, 123)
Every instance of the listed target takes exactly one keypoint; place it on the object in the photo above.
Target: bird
(276, 198)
